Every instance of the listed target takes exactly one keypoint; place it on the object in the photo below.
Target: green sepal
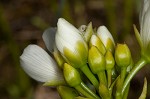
(95, 41)
(59, 59)
(110, 45)
(96, 60)
(138, 37)
(110, 62)
(71, 75)
(54, 83)
(78, 58)
(67, 92)
(144, 92)
(88, 32)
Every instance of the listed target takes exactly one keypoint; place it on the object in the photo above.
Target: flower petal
(145, 23)
(104, 35)
(39, 65)
(144, 9)
(68, 32)
(67, 36)
(49, 38)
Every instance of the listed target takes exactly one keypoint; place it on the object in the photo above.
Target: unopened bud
(98, 43)
(110, 62)
(106, 37)
(122, 55)
(96, 60)
(71, 75)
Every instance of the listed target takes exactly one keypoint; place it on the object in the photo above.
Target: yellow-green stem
(83, 92)
(85, 69)
(120, 81)
(123, 73)
(135, 69)
(125, 95)
(89, 91)
(102, 77)
(109, 73)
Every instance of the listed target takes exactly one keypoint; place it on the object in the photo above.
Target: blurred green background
(22, 22)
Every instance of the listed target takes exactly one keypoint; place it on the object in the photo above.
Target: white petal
(93, 39)
(68, 32)
(61, 43)
(49, 38)
(67, 36)
(39, 65)
(145, 23)
(144, 9)
(104, 35)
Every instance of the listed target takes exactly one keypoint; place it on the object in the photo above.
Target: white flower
(145, 23)
(40, 66)
(106, 37)
(70, 43)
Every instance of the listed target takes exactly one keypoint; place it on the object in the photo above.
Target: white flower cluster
(42, 67)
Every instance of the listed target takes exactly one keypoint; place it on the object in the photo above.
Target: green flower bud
(122, 55)
(95, 40)
(71, 75)
(110, 62)
(88, 32)
(96, 60)
(67, 92)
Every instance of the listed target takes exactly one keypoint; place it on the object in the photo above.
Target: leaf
(137, 34)
(144, 92)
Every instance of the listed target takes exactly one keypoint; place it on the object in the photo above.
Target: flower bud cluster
(78, 53)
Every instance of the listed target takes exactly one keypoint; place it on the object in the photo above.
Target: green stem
(89, 91)
(120, 81)
(125, 96)
(112, 85)
(135, 69)
(90, 76)
(104, 92)
(123, 73)
(83, 92)
(109, 73)
(119, 84)
(102, 77)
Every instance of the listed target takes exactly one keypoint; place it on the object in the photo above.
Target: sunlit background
(22, 22)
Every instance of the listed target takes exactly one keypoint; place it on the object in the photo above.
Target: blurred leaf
(144, 92)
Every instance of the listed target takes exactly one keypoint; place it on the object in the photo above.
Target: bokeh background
(22, 22)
